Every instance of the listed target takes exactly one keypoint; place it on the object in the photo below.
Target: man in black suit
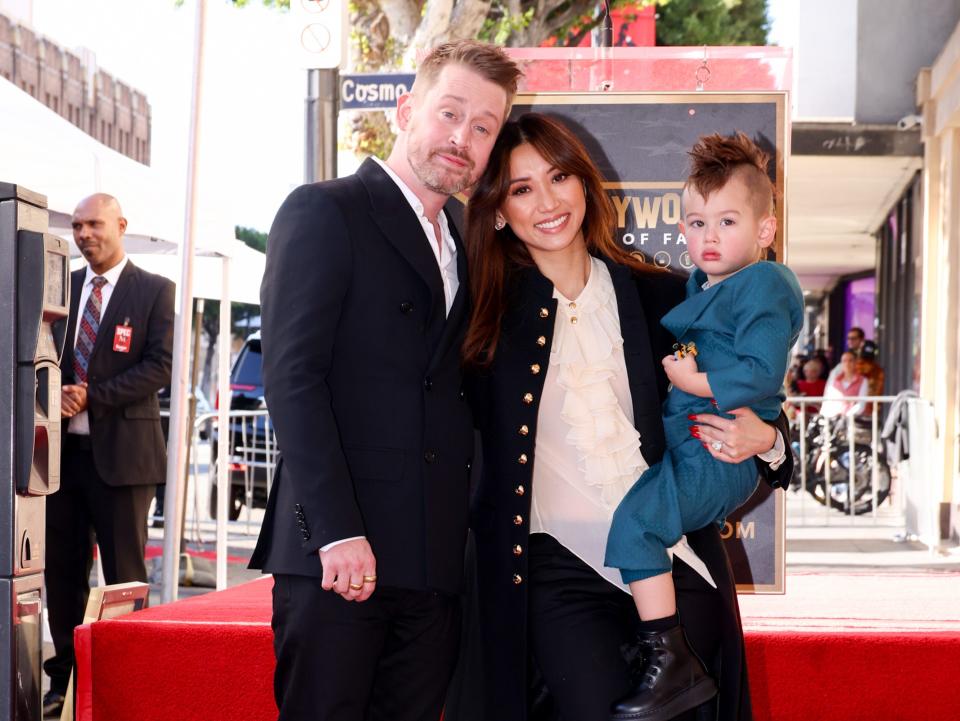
(364, 308)
(118, 355)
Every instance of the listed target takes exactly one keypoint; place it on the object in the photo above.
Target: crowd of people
(856, 375)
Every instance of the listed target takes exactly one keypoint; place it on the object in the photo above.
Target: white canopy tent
(44, 152)
(160, 257)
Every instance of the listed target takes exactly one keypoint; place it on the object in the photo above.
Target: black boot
(675, 680)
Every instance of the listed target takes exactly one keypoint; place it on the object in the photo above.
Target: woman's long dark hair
(494, 255)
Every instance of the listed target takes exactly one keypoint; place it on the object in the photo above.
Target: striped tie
(87, 335)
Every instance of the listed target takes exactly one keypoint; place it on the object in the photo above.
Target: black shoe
(52, 703)
(674, 682)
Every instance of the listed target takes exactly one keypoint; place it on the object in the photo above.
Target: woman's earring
(500, 223)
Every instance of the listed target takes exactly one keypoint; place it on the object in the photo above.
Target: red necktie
(87, 334)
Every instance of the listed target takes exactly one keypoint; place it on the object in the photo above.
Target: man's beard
(441, 180)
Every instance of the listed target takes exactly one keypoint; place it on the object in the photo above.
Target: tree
(387, 33)
(712, 22)
(253, 238)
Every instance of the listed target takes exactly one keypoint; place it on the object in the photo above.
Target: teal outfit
(744, 328)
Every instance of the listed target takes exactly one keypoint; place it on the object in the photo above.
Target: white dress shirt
(80, 423)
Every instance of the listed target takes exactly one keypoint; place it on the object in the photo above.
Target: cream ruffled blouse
(587, 448)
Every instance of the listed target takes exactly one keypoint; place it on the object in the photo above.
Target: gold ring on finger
(369, 579)
(356, 586)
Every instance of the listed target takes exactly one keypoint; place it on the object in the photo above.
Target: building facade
(76, 89)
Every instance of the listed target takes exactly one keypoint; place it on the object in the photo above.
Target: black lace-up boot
(674, 681)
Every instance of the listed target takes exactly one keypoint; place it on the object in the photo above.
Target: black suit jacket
(501, 506)
(361, 373)
(128, 445)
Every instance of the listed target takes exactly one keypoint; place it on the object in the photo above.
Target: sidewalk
(822, 541)
(857, 574)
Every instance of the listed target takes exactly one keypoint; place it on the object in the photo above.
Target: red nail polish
(714, 401)
(691, 417)
(694, 431)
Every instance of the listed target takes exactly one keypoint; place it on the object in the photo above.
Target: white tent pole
(177, 439)
(224, 490)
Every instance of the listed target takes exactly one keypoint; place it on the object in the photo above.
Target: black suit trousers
(86, 511)
(388, 658)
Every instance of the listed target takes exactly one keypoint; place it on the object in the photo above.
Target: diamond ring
(717, 445)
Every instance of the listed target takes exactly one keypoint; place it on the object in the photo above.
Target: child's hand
(682, 372)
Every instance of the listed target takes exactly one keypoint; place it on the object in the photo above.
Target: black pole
(606, 27)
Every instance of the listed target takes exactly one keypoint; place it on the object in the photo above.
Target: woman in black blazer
(556, 633)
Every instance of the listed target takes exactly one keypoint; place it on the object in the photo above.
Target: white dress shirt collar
(112, 275)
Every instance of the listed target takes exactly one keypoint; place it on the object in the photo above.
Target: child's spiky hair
(716, 158)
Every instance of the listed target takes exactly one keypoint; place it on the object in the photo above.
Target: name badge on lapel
(122, 337)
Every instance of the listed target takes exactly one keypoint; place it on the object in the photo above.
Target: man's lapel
(111, 317)
(399, 225)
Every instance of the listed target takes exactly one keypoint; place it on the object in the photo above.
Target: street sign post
(319, 28)
(373, 91)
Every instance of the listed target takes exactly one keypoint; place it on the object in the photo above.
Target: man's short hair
(868, 351)
(858, 330)
(717, 158)
(489, 61)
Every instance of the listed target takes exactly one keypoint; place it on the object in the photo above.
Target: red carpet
(206, 658)
(857, 645)
(155, 550)
(210, 658)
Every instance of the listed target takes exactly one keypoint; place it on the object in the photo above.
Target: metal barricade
(841, 462)
(252, 456)
(252, 464)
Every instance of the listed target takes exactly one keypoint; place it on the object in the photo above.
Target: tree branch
(468, 18)
(572, 13)
(434, 26)
(404, 18)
